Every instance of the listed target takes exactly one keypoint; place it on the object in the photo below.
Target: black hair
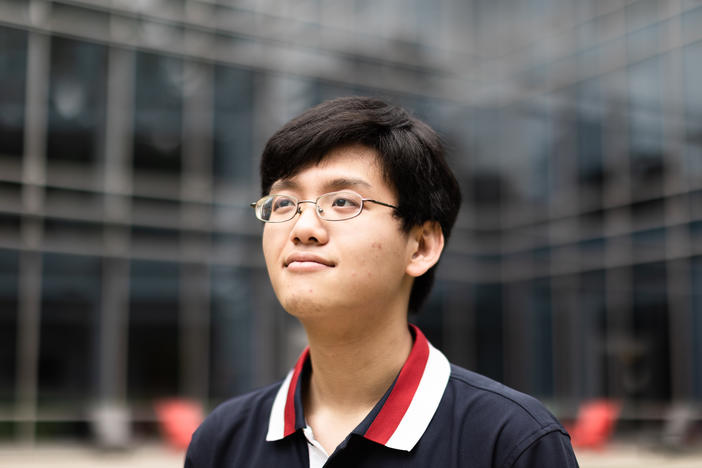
(409, 153)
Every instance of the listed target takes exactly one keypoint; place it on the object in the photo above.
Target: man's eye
(283, 204)
(341, 202)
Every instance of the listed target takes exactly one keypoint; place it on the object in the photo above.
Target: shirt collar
(399, 419)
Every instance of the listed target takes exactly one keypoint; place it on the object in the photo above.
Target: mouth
(307, 262)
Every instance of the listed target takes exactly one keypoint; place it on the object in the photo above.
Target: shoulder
(239, 420)
(502, 422)
(474, 388)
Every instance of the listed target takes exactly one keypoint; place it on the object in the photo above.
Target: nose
(308, 227)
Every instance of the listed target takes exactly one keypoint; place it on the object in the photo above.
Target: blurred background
(130, 134)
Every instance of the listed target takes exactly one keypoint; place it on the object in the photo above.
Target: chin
(300, 306)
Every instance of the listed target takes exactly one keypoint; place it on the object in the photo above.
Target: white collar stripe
(424, 404)
(276, 423)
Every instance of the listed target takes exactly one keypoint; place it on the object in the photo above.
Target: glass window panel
(692, 22)
(489, 323)
(696, 287)
(153, 329)
(291, 94)
(564, 144)
(648, 213)
(592, 327)
(649, 242)
(8, 323)
(646, 41)
(542, 338)
(488, 180)
(429, 23)
(646, 125)
(158, 113)
(76, 101)
(647, 372)
(13, 76)
(233, 129)
(231, 331)
(696, 234)
(538, 140)
(693, 112)
(592, 252)
(70, 304)
(10, 227)
(641, 13)
(589, 136)
(430, 318)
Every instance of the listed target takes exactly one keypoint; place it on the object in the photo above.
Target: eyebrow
(334, 184)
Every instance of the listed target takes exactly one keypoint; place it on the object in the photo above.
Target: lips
(306, 258)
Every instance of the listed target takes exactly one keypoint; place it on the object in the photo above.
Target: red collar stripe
(289, 426)
(395, 407)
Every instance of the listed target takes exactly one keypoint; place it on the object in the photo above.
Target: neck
(353, 368)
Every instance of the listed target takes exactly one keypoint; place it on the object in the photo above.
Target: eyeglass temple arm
(379, 203)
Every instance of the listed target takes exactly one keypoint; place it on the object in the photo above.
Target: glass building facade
(130, 265)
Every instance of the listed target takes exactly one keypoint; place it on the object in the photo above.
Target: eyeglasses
(334, 206)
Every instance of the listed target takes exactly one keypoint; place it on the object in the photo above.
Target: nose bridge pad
(299, 206)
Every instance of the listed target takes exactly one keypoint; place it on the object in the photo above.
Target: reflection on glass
(13, 76)
(76, 100)
(70, 302)
(158, 113)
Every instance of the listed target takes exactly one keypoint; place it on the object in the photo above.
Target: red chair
(178, 419)
(595, 423)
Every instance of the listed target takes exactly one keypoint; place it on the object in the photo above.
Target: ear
(427, 243)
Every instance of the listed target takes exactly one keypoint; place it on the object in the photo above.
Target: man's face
(354, 266)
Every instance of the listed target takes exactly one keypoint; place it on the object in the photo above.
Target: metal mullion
(33, 178)
(194, 308)
(117, 185)
(677, 215)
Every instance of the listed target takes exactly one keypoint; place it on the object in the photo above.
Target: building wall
(129, 142)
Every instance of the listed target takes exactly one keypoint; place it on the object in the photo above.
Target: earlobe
(427, 245)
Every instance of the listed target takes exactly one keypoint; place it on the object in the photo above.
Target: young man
(358, 203)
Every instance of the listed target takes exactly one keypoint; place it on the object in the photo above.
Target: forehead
(353, 167)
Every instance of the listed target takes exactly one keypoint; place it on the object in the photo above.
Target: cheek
(382, 261)
(270, 245)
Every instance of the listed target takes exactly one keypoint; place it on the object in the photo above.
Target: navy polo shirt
(435, 414)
